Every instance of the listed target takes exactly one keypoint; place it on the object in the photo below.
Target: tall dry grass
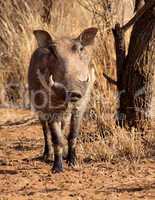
(18, 18)
(17, 21)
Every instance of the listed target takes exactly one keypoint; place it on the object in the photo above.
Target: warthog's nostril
(74, 96)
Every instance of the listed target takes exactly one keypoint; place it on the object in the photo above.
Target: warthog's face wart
(63, 63)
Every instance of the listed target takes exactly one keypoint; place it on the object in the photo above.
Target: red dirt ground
(23, 177)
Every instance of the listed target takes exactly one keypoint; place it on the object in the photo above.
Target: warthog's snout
(74, 96)
(60, 89)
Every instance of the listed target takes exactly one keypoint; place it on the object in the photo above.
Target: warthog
(60, 81)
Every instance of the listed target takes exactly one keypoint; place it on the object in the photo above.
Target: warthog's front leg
(72, 137)
(57, 139)
(48, 150)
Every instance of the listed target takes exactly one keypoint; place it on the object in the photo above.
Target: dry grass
(121, 145)
(18, 20)
(17, 23)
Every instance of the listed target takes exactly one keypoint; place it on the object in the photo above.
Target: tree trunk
(137, 76)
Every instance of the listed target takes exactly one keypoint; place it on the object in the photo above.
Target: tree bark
(137, 74)
(120, 54)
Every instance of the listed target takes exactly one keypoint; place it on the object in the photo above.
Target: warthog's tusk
(57, 87)
(51, 81)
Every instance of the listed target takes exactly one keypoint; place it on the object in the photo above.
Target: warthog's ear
(87, 36)
(43, 38)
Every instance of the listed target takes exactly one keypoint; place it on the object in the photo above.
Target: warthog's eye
(81, 48)
(52, 49)
(74, 47)
(78, 48)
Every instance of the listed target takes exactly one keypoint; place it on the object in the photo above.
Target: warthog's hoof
(71, 158)
(57, 166)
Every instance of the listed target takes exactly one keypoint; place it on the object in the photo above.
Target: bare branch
(139, 4)
(139, 13)
(120, 53)
(109, 79)
(20, 123)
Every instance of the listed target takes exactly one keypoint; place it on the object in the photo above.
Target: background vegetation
(18, 18)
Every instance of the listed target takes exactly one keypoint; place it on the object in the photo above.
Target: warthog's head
(68, 61)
